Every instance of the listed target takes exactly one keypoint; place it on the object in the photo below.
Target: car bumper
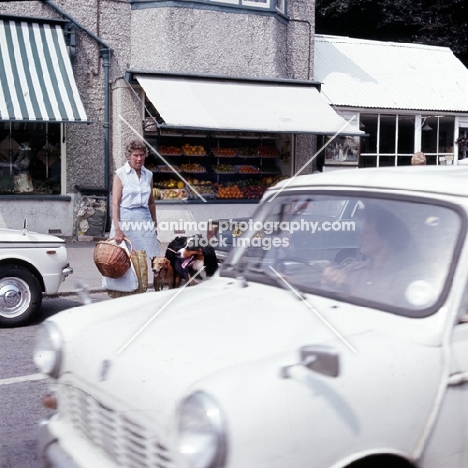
(67, 270)
(51, 455)
(72, 451)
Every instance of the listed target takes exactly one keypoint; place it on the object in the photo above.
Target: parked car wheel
(20, 295)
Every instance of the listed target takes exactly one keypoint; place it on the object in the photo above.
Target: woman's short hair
(135, 145)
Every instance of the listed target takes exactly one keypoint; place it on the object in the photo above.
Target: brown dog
(163, 273)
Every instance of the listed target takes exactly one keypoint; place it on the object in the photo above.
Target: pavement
(85, 273)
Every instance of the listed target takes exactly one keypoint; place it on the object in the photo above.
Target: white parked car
(31, 265)
(280, 360)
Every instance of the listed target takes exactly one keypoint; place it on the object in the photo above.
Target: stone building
(127, 58)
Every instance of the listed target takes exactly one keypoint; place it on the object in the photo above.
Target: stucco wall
(201, 41)
(174, 39)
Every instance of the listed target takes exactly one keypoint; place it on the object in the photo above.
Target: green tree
(434, 22)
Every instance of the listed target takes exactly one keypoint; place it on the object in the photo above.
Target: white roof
(390, 75)
(448, 180)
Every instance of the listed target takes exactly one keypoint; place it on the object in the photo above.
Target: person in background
(133, 206)
(418, 159)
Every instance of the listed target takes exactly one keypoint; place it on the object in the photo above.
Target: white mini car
(31, 265)
(281, 360)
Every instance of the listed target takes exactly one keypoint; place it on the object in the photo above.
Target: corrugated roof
(390, 75)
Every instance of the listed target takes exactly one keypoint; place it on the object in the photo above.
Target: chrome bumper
(67, 270)
(51, 455)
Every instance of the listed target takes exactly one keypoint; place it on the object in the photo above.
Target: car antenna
(25, 226)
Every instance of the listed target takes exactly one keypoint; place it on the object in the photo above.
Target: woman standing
(133, 206)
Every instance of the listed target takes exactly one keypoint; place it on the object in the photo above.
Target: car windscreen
(393, 254)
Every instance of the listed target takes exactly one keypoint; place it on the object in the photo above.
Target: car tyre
(20, 295)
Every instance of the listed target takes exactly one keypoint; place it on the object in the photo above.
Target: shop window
(437, 139)
(30, 158)
(391, 139)
(405, 136)
(462, 143)
(387, 135)
(368, 124)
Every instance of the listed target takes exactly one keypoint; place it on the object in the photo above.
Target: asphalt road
(21, 387)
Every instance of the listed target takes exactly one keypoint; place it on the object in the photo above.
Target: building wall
(173, 39)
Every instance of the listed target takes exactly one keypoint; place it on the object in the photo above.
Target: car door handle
(458, 379)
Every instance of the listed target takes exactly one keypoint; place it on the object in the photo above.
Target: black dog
(190, 255)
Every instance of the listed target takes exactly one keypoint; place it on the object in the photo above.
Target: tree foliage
(433, 22)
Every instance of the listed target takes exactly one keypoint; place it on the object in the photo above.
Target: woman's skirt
(137, 225)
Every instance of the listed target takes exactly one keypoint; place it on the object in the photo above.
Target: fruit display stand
(220, 161)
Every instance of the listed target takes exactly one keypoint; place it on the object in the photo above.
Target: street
(21, 387)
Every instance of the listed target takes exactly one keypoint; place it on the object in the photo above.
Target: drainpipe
(105, 54)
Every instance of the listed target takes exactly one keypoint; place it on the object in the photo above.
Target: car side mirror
(321, 359)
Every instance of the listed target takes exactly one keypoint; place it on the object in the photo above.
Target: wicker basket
(111, 259)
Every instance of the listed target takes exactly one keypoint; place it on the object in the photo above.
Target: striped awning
(36, 76)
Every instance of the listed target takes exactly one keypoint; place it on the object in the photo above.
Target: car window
(388, 253)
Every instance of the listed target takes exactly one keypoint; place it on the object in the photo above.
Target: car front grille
(127, 442)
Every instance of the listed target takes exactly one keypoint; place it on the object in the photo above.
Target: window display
(30, 158)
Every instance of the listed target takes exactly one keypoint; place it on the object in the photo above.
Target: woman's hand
(119, 236)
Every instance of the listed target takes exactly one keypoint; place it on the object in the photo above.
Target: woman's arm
(116, 199)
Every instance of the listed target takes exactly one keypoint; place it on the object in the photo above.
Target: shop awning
(36, 76)
(283, 106)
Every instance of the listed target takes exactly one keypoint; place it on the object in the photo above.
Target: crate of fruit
(164, 168)
(268, 152)
(224, 169)
(170, 151)
(224, 152)
(173, 194)
(247, 152)
(205, 189)
(253, 191)
(193, 150)
(193, 168)
(247, 169)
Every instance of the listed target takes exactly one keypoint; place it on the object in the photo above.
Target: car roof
(449, 180)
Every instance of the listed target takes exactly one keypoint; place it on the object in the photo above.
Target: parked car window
(396, 255)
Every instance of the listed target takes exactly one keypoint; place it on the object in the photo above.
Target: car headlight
(201, 432)
(48, 349)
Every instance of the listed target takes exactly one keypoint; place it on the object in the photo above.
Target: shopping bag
(139, 263)
(140, 266)
(128, 282)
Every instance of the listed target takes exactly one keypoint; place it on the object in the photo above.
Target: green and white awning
(36, 76)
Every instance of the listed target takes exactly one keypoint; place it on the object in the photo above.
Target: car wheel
(346, 256)
(20, 295)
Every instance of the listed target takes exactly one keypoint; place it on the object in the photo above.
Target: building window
(437, 135)
(393, 139)
(276, 6)
(30, 158)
